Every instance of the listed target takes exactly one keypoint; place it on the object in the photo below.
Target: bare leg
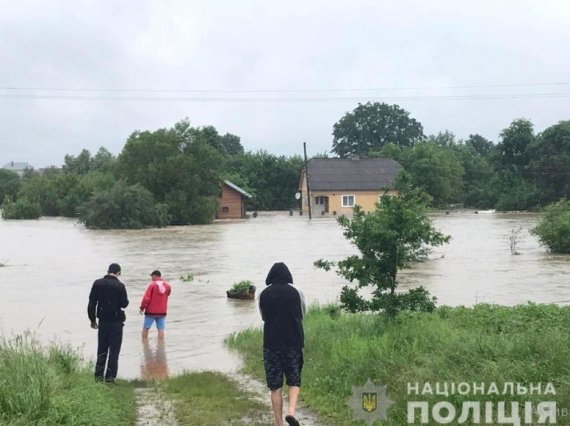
(145, 333)
(277, 404)
(161, 334)
(293, 396)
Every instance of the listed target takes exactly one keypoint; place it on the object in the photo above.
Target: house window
(225, 209)
(320, 201)
(348, 200)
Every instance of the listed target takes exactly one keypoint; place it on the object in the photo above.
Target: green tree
(273, 180)
(123, 207)
(481, 145)
(372, 125)
(553, 230)
(437, 170)
(232, 144)
(388, 239)
(178, 168)
(549, 164)
(10, 183)
(22, 208)
(80, 164)
(515, 139)
(103, 161)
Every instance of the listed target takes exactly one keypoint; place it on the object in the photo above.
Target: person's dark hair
(279, 274)
(156, 272)
(114, 268)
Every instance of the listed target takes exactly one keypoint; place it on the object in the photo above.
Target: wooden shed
(231, 204)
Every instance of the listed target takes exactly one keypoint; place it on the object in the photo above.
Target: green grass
(485, 344)
(51, 386)
(211, 398)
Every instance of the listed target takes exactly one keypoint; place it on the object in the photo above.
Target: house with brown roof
(336, 185)
(231, 204)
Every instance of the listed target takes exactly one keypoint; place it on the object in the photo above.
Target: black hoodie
(282, 308)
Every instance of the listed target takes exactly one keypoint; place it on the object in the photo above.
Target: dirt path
(305, 416)
(154, 408)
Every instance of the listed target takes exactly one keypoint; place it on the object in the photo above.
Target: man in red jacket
(154, 304)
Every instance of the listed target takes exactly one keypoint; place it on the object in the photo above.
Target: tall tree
(372, 125)
(9, 183)
(549, 165)
(481, 145)
(514, 141)
(80, 164)
(437, 170)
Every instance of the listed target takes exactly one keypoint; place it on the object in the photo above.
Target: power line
(286, 99)
(307, 90)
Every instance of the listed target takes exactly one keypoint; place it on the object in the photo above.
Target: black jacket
(282, 308)
(108, 295)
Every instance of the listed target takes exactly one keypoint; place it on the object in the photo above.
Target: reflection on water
(52, 263)
(154, 365)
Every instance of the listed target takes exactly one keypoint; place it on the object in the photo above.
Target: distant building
(231, 204)
(18, 167)
(337, 185)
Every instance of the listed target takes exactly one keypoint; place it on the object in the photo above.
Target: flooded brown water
(51, 264)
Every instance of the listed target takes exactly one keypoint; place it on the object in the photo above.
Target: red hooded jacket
(155, 299)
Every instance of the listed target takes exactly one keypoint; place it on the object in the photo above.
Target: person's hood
(279, 274)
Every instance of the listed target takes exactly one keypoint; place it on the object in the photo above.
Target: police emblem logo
(369, 401)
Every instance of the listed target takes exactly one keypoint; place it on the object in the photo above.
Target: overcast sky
(83, 74)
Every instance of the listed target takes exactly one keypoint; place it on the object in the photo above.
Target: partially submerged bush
(20, 209)
(553, 230)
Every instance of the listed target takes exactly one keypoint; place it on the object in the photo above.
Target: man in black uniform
(282, 308)
(107, 299)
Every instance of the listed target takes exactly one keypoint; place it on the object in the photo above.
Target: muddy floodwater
(50, 264)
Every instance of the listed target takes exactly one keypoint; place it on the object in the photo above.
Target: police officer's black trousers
(110, 337)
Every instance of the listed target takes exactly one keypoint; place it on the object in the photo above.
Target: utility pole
(307, 179)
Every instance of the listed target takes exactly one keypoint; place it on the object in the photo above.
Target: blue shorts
(160, 322)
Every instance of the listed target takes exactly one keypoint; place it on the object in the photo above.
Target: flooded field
(51, 263)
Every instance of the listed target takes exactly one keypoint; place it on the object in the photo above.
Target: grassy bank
(212, 399)
(485, 344)
(51, 386)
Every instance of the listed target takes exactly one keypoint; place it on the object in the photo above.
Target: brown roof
(328, 174)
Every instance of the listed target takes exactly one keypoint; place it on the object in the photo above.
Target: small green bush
(242, 286)
(553, 230)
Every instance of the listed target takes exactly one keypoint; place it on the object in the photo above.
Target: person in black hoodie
(282, 309)
(107, 300)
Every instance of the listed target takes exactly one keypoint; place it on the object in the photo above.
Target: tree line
(172, 176)
(523, 170)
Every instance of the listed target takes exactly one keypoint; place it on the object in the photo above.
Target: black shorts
(282, 362)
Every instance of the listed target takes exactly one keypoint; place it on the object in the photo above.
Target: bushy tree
(272, 180)
(549, 161)
(22, 208)
(437, 170)
(372, 125)
(123, 207)
(10, 183)
(180, 166)
(388, 239)
(553, 230)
